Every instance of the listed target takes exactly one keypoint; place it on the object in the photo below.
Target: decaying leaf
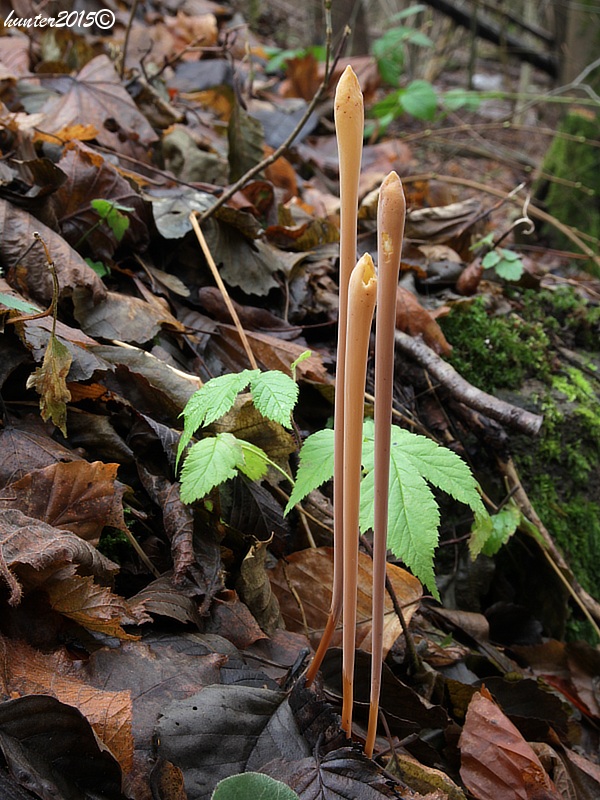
(253, 726)
(496, 761)
(25, 671)
(77, 496)
(255, 590)
(27, 269)
(96, 95)
(37, 736)
(50, 382)
(310, 574)
(415, 320)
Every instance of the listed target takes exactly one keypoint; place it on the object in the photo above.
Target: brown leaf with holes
(496, 761)
(415, 320)
(303, 582)
(78, 496)
(97, 96)
(25, 671)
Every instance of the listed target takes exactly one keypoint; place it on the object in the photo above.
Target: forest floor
(168, 638)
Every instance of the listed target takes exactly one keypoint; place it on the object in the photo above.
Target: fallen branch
(512, 416)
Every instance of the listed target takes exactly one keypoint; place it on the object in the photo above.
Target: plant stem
(349, 121)
(391, 214)
(362, 292)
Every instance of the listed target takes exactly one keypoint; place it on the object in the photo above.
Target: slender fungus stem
(349, 123)
(390, 231)
(361, 303)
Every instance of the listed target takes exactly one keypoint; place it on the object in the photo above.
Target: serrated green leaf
(315, 467)
(275, 394)
(255, 462)
(439, 466)
(413, 520)
(210, 402)
(209, 462)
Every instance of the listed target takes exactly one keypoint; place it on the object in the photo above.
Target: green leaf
(302, 357)
(454, 99)
(490, 259)
(275, 394)
(315, 467)
(252, 785)
(439, 466)
(510, 267)
(99, 267)
(209, 462)
(489, 540)
(255, 462)
(19, 305)
(413, 519)
(210, 402)
(419, 99)
(110, 212)
(408, 12)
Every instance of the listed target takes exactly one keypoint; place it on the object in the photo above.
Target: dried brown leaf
(303, 586)
(34, 551)
(79, 496)
(415, 320)
(91, 177)
(92, 606)
(97, 96)
(27, 671)
(496, 761)
(27, 272)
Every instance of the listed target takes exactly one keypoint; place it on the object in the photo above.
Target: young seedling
(361, 303)
(349, 123)
(391, 213)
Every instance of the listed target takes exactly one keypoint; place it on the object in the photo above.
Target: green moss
(114, 544)
(495, 352)
(574, 197)
(560, 469)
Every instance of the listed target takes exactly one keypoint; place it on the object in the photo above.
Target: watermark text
(103, 19)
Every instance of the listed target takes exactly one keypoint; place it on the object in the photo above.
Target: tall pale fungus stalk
(359, 290)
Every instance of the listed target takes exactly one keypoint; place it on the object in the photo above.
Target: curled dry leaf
(496, 761)
(415, 320)
(33, 551)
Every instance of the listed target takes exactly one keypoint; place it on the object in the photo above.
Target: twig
(134, 7)
(223, 289)
(513, 416)
(534, 211)
(266, 162)
(588, 605)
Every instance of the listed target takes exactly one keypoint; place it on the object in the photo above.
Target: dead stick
(512, 416)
